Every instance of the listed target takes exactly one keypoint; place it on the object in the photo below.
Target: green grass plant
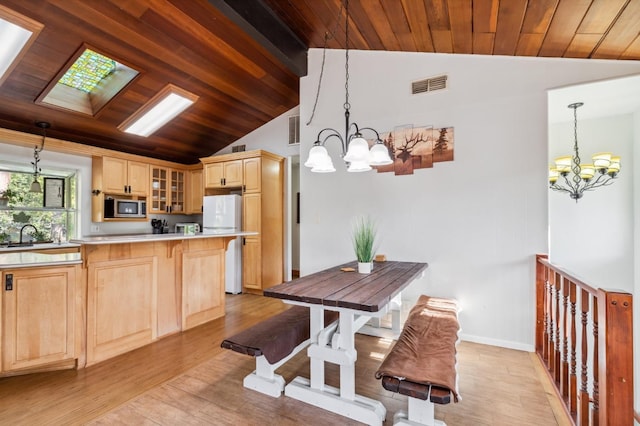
(364, 235)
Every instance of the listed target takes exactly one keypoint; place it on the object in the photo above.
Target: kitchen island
(143, 287)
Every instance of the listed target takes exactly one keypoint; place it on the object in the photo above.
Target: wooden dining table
(358, 298)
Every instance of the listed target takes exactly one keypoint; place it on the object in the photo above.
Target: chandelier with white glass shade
(355, 149)
(569, 175)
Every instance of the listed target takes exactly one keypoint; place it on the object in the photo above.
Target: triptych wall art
(412, 147)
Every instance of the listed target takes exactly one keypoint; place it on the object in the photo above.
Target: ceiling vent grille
(294, 130)
(429, 85)
(238, 148)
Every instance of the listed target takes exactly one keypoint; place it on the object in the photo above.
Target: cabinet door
(252, 174)
(213, 174)
(233, 173)
(39, 317)
(202, 286)
(121, 306)
(114, 179)
(159, 187)
(138, 178)
(251, 216)
(177, 192)
(252, 263)
(195, 192)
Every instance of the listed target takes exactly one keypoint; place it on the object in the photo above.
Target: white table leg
(316, 365)
(343, 401)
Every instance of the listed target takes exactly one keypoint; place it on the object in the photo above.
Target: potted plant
(364, 235)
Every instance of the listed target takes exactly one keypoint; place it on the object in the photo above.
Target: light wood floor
(188, 379)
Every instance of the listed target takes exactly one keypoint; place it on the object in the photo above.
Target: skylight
(160, 109)
(88, 71)
(17, 32)
(87, 82)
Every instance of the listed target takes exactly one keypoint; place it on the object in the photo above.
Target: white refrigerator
(221, 214)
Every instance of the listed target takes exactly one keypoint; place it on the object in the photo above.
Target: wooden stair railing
(603, 349)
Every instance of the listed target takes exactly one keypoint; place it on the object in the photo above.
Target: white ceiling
(601, 99)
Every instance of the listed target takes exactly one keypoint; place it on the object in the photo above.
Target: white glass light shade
(379, 155)
(587, 171)
(358, 166)
(614, 167)
(553, 174)
(563, 164)
(317, 154)
(35, 186)
(602, 160)
(324, 165)
(358, 151)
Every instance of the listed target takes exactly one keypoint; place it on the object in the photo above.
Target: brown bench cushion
(277, 336)
(425, 354)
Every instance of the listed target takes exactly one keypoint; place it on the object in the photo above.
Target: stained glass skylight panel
(88, 71)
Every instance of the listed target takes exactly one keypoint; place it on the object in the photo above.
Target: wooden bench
(273, 342)
(422, 363)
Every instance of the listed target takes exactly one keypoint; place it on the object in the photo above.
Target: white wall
(477, 221)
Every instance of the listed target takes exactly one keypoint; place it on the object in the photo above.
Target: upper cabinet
(124, 176)
(226, 174)
(195, 191)
(168, 188)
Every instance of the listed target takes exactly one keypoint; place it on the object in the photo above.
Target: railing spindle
(596, 392)
(573, 405)
(583, 412)
(564, 376)
(556, 346)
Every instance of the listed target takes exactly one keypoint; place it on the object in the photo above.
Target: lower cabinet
(202, 283)
(252, 263)
(121, 306)
(40, 327)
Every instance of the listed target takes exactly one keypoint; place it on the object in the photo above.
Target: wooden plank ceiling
(243, 58)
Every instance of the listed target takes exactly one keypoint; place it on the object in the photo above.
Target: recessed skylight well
(88, 81)
(160, 109)
(17, 32)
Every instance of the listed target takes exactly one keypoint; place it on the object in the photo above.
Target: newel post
(541, 287)
(615, 315)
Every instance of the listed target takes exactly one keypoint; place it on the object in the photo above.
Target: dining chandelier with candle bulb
(355, 149)
(570, 176)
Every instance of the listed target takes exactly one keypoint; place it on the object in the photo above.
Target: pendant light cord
(327, 36)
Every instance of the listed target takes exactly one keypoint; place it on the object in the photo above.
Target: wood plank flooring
(188, 379)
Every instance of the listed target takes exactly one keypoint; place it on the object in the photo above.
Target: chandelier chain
(347, 105)
(576, 158)
(327, 36)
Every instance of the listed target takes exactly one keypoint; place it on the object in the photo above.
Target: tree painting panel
(413, 148)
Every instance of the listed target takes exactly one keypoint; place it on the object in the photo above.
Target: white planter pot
(365, 267)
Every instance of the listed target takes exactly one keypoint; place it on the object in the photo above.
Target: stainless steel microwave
(119, 208)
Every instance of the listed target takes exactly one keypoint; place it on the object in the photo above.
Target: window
(27, 207)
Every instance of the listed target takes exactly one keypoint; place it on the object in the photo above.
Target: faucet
(22, 229)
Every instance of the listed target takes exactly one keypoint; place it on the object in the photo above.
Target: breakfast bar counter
(146, 286)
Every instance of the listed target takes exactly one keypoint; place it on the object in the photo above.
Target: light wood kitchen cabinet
(263, 212)
(226, 174)
(111, 176)
(202, 281)
(251, 174)
(125, 177)
(168, 188)
(40, 322)
(121, 306)
(195, 191)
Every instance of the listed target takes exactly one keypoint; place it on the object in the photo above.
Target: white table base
(337, 347)
(361, 408)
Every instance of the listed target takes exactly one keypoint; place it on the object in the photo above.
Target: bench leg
(421, 413)
(264, 379)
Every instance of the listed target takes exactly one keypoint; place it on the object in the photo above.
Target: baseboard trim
(497, 342)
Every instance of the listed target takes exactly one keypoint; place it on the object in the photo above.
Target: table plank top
(363, 292)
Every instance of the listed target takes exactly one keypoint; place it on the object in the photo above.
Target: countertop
(29, 259)
(144, 238)
(37, 246)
